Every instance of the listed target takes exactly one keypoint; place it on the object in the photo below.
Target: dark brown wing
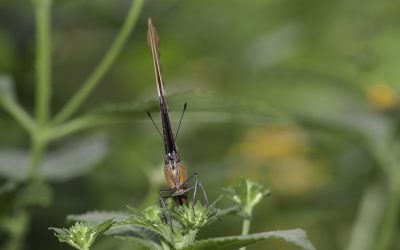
(153, 42)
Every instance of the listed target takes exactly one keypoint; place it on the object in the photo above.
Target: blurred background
(301, 96)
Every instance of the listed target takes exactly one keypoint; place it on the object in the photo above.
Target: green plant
(148, 228)
(29, 174)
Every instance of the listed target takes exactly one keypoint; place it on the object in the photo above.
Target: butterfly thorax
(174, 171)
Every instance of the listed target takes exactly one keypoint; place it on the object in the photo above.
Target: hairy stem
(246, 223)
(104, 64)
(43, 60)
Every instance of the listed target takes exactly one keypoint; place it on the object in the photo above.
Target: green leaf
(13, 164)
(247, 193)
(34, 193)
(80, 235)
(196, 217)
(143, 242)
(296, 236)
(75, 159)
(202, 106)
(96, 217)
(8, 195)
(133, 233)
(155, 226)
(68, 162)
(15, 195)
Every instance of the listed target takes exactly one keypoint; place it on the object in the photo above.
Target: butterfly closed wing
(174, 168)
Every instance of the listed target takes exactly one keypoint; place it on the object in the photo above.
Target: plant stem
(43, 60)
(246, 227)
(388, 228)
(191, 236)
(78, 124)
(38, 146)
(20, 115)
(246, 223)
(104, 64)
(17, 226)
(369, 216)
(42, 106)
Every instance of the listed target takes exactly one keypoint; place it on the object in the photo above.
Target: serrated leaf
(143, 242)
(157, 227)
(136, 234)
(246, 193)
(95, 217)
(70, 161)
(81, 236)
(233, 210)
(196, 217)
(128, 232)
(295, 236)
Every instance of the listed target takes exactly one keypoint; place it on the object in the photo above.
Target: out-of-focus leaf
(202, 106)
(295, 236)
(73, 160)
(7, 91)
(34, 193)
(274, 47)
(15, 223)
(23, 194)
(8, 195)
(13, 164)
(8, 51)
(332, 105)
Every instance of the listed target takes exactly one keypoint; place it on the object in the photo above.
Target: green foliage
(203, 105)
(247, 194)
(316, 62)
(70, 161)
(295, 236)
(96, 217)
(148, 227)
(196, 217)
(81, 236)
(19, 195)
(28, 172)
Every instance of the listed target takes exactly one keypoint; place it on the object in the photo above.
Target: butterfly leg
(196, 185)
(166, 214)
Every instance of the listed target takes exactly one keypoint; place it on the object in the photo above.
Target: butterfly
(174, 169)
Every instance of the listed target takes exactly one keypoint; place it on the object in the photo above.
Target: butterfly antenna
(180, 122)
(155, 125)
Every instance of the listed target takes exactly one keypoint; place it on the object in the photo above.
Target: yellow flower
(273, 143)
(382, 96)
(278, 154)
